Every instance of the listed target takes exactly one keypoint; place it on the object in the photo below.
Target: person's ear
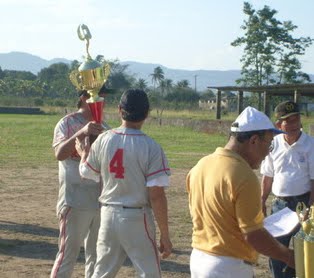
(278, 124)
(253, 139)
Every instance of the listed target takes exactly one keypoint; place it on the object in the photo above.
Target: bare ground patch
(29, 227)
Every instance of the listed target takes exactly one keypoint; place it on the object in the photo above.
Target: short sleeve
(60, 132)
(267, 166)
(92, 163)
(158, 163)
(311, 159)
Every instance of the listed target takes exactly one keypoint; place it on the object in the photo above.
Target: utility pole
(195, 78)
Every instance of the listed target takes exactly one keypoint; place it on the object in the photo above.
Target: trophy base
(96, 109)
(94, 99)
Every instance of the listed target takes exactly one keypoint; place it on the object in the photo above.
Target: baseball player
(78, 207)
(134, 171)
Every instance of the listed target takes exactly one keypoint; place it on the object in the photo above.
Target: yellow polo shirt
(225, 202)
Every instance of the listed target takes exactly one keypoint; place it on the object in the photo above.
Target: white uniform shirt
(129, 161)
(290, 166)
(73, 190)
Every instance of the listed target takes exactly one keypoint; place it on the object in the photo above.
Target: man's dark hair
(134, 105)
(81, 93)
(241, 137)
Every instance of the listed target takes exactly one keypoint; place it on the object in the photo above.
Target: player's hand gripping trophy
(90, 76)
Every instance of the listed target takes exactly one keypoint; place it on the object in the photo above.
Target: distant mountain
(26, 62)
(204, 78)
(201, 78)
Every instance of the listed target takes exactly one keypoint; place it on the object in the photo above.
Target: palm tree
(141, 84)
(157, 76)
(162, 86)
(169, 85)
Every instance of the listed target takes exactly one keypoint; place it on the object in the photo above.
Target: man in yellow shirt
(225, 204)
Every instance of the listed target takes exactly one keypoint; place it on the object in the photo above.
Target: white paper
(281, 222)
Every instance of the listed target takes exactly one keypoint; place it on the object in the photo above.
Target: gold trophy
(309, 248)
(303, 243)
(90, 76)
(298, 243)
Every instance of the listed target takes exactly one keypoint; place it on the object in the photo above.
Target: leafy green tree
(56, 80)
(118, 78)
(183, 84)
(188, 96)
(74, 65)
(208, 95)
(270, 52)
(15, 74)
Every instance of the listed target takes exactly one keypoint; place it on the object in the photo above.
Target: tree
(157, 76)
(208, 95)
(118, 79)
(157, 99)
(270, 51)
(57, 81)
(183, 84)
(168, 85)
(141, 84)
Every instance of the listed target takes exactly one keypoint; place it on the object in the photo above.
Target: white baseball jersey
(291, 166)
(128, 160)
(73, 191)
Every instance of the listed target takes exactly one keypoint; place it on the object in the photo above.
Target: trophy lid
(89, 64)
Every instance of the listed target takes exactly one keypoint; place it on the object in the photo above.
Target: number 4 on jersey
(116, 164)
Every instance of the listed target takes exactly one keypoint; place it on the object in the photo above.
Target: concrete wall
(20, 110)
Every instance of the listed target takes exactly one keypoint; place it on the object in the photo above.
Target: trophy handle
(75, 79)
(300, 210)
(106, 69)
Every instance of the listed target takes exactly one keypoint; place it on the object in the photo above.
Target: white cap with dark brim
(253, 120)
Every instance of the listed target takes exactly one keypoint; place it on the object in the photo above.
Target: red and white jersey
(127, 160)
(73, 190)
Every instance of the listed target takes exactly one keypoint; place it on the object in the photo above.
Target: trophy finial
(84, 34)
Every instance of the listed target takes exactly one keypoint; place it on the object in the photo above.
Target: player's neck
(134, 125)
(85, 113)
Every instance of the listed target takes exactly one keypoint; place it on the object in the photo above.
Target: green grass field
(25, 141)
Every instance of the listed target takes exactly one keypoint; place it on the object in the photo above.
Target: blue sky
(181, 34)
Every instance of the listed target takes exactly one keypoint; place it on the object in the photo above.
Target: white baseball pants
(203, 265)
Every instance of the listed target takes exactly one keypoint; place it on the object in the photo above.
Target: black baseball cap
(135, 103)
(286, 109)
(82, 93)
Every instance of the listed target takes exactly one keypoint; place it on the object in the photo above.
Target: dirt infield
(29, 234)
